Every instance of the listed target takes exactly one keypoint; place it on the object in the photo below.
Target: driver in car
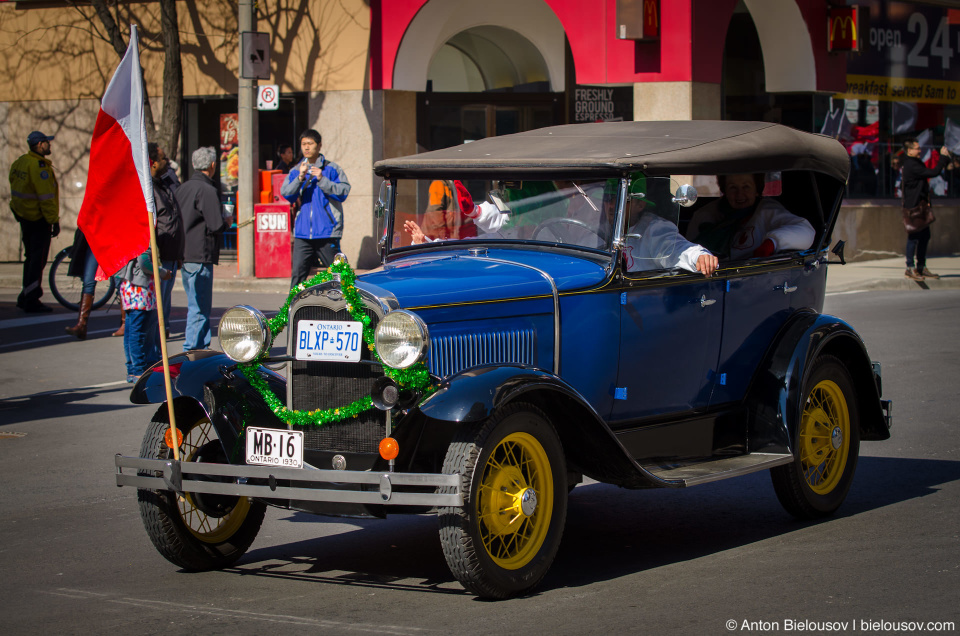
(743, 224)
(653, 242)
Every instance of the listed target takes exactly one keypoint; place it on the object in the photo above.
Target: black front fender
(589, 444)
(475, 394)
(206, 383)
(189, 372)
(775, 395)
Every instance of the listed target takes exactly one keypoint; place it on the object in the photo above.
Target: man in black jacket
(204, 222)
(169, 228)
(916, 191)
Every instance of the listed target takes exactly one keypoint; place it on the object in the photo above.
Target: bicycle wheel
(68, 289)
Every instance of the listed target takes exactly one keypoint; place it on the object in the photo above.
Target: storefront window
(901, 84)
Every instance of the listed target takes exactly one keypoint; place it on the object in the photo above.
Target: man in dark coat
(204, 222)
(169, 228)
(916, 191)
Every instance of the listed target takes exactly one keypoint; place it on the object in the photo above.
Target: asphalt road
(75, 558)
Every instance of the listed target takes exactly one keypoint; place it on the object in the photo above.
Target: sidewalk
(887, 274)
(884, 274)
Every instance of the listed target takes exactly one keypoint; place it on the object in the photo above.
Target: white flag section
(119, 191)
(837, 125)
(118, 211)
(951, 137)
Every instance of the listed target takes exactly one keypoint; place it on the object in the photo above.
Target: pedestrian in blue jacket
(322, 187)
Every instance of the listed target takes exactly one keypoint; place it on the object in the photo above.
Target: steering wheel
(549, 224)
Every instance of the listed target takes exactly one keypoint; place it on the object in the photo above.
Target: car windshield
(573, 213)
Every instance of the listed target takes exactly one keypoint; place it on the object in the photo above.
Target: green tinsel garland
(416, 377)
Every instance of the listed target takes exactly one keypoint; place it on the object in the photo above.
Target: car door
(670, 316)
(758, 301)
(669, 344)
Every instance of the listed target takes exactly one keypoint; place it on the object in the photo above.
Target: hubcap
(528, 502)
(836, 437)
(824, 437)
(515, 501)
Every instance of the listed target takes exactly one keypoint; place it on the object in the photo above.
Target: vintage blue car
(637, 302)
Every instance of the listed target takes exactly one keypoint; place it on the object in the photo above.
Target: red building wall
(690, 48)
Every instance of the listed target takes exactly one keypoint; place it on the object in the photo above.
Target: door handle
(786, 288)
(705, 302)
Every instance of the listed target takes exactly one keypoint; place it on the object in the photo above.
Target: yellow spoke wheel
(207, 525)
(825, 443)
(824, 437)
(516, 501)
(512, 472)
(196, 531)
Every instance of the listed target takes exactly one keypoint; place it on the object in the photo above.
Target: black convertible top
(655, 147)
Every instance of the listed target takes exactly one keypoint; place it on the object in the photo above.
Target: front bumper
(311, 484)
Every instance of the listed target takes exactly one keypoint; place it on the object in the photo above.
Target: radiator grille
(324, 385)
(452, 354)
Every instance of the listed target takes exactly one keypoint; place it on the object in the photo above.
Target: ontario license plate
(272, 447)
(328, 340)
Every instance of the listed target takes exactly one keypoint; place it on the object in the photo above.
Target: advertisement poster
(906, 54)
(229, 152)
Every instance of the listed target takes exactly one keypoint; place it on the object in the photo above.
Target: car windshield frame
(586, 215)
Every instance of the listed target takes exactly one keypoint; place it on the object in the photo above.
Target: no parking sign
(268, 97)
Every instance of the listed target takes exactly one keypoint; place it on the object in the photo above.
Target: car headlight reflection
(401, 339)
(244, 333)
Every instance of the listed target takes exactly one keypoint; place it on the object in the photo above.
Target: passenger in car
(653, 242)
(486, 216)
(743, 224)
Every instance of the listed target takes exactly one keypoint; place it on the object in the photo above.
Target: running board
(684, 475)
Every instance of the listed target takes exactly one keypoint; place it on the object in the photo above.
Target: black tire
(68, 289)
(197, 532)
(499, 556)
(826, 445)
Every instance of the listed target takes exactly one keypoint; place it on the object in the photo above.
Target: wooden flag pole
(155, 257)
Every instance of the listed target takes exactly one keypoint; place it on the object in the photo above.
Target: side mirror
(686, 195)
(838, 250)
(496, 197)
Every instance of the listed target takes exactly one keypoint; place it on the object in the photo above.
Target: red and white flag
(119, 191)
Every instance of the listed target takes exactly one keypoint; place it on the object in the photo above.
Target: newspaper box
(271, 242)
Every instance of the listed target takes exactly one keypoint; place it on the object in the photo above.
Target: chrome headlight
(244, 333)
(401, 339)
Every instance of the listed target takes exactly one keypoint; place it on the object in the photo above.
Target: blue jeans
(89, 274)
(166, 289)
(917, 244)
(198, 283)
(141, 340)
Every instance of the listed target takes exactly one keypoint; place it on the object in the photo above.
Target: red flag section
(119, 191)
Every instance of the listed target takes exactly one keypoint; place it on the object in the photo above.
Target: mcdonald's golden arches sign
(843, 26)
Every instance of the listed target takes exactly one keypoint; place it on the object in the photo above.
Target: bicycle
(68, 289)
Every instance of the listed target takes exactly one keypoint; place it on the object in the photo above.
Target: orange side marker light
(168, 441)
(389, 449)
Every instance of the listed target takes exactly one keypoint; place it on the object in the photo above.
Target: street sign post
(268, 97)
(255, 55)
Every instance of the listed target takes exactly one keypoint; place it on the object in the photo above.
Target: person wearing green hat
(653, 242)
